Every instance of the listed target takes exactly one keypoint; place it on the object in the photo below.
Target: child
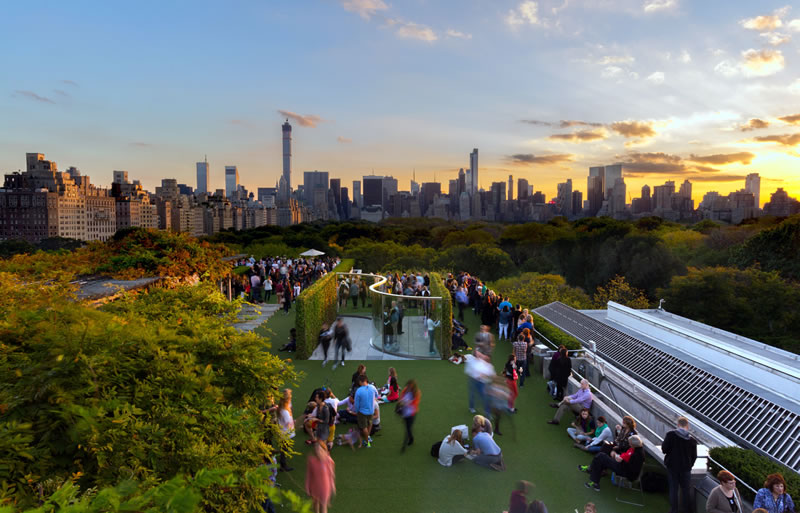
(350, 438)
(292, 344)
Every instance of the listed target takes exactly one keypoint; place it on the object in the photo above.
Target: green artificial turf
(383, 479)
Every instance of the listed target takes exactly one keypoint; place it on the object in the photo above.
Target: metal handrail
(382, 281)
(734, 475)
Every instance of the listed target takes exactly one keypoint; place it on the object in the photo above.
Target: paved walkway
(250, 319)
(361, 333)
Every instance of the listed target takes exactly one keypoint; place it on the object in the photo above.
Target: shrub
(555, 335)
(438, 289)
(752, 468)
(315, 306)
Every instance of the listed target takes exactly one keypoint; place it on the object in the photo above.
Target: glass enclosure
(400, 323)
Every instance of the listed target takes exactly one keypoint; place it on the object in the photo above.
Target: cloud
(794, 25)
(309, 120)
(762, 23)
(457, 34)
(61, 93)
(754, 124)
(615, 59)
(365, 8)
(33, 96)
(794, 87)
(656, 77)
(411, 30)
(776, 38)
(656, 163)
(140, 144)
(720, 159)
(685, 57)
(611, 72)
(564, 123)
(715, 178)
(761, 63)
(581, 136)
(794, 119)
(727, 68)
(527, 13)
(659, 5)
(540, 160)
(70, 82)
(629, 129)
(785, 139)
(344, 140)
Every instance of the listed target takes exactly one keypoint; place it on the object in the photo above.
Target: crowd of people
(284, 277)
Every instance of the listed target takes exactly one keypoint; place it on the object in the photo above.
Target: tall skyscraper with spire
(472, 179)
(287, 155)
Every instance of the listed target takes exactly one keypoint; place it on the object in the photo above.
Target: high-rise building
(120, 177)
(336, 190)
(287, 154)
(231, 181)
(594, 189)
(610, 176)
(522, 189)
(373, 191)
(472, 178)
(564, 198)
(752, 184)
(577, 202)
(414, 185)
(497, 195)
(427, 193)
(662, 196)
(203, 178)
(510, 187)
(389, 185)
(357, 193)
(462, 181)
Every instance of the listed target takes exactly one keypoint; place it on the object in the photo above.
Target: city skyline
(431, 85)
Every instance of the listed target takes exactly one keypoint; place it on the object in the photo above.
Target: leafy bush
(438, 289)
(774, 249)
(555, 335)
(317, 306)
(752, 468)
(151, 386)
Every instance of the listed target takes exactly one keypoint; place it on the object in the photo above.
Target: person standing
(267, 288)
(479, 372)
(680, 453)
(325, 340)
(461, 300)
(341, 337)
(365, 410)
(287, 298)
(409, 405)
(484, 342)
(520, 347)
(320, 477)
(511, 375)
(400, 314)
(560, 369)
(431, 328)
(354, 293)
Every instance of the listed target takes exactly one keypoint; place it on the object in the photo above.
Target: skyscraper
(357, 193)
(287, 154)
(203, 178)
(610, 176)
(510, 187)
(231, 181)
(594, 189)
(373, 191)
(522, 189)
(752, 184)
(472, 178)
(564, 198)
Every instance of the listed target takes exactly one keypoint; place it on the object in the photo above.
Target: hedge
(315, 306)
(438, 289)
(752, 468)
(555, 335)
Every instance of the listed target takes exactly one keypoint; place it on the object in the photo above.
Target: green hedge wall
(752, 468)
(438, 289)
(554, 334)
(315, 306)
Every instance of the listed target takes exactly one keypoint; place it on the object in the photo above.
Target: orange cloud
(760, 63)
(720, 159)
(762, 23)
(581, 136)
(634, 129)
(794, 119)
(309, 120)
(785, 139)
(754, 124)
(529, 158)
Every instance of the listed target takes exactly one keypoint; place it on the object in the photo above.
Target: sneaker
(342, 364)
(369, 440)
(554, 405)
(554, 422)
(335, 364)
(594, 486)
(583, 468)
(473, 410)
(324, 362)
(497, 467)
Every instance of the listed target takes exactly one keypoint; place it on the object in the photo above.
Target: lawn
(382, 478)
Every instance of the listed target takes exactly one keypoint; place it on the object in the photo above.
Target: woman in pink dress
(320, 477)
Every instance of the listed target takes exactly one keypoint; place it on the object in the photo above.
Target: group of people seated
(483, 450)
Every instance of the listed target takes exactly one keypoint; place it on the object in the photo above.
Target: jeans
(679, 479)
(461, 312)
(564, 406)
(432, 338)
(503, 331)
(573, 433)
(409, 439)
(339, 345)
(600, 463)
(522, 370)
(478, 388)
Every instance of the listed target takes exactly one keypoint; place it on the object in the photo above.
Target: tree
(148, 387)
(774, 249)
(619, 291)
(532, 290)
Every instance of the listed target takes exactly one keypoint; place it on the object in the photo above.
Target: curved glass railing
(400, 323)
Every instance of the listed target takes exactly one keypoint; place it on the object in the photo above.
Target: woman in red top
(408, 407)
(510, 373)
(320, 477)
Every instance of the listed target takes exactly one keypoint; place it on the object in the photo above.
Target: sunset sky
(706, 90)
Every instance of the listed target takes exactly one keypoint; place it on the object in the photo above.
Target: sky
(705, 90)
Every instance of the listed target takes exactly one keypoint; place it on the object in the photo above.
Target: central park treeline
(745, 278)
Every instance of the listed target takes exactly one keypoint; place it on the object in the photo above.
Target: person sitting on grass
(391, 391)
(627, 464)
(575, 402)
(291, 345)
(452, 449)
(602, 435)
(346, 410)
(486, 452)
(350, 438)
(481, 424)
(582, 428)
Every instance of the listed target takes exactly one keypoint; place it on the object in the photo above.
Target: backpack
(435, 449)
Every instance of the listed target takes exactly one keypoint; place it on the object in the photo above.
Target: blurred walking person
(320, 477)
(409, 405)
